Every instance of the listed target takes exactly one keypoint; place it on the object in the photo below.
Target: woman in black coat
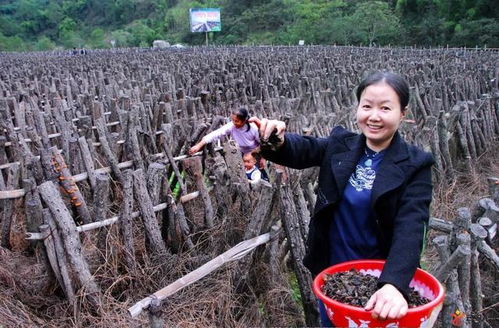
(374, 191)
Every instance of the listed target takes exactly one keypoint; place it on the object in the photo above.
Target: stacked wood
(466, 241)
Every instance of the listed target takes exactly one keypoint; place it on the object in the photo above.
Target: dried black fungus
(354, 288)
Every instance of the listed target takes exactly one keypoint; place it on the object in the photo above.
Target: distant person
(373, 195)
(252, 172)
(244, 133)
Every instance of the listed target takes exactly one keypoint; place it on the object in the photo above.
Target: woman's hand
(387, 303)
(266, 127)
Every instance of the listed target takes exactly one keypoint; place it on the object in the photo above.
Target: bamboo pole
(235, 253)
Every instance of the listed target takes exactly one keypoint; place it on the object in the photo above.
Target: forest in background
(36, 25)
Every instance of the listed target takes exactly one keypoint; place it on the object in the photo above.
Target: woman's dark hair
(242, 114)
(397, 82)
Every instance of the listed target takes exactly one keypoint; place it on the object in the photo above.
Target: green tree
(142, 35)
(71, 39)
(376, 22)
(312, 20)
(44, 43)
(12, 43)
(481, 32)
(97, 39)
(67, 24)
(122, 38)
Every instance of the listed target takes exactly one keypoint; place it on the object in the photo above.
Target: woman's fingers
(273, 125)
(387, 303)
(266, 127)
(370, 304)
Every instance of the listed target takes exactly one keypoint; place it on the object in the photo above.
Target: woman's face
(238, 123)
(379, 114)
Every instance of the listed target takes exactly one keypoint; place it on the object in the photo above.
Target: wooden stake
(71, 241)
(62, 262)
(125, 221)
(146, 209)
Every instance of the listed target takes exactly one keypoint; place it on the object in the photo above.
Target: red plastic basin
(344, 315)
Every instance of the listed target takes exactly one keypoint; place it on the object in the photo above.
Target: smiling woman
(383, 100)
(374, 191)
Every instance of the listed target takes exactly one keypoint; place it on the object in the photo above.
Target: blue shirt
(353, 232)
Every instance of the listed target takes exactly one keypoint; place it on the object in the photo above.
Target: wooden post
(493, 183)
(291, 226)
(132, 141)
(192, 165)
(75, 163)
(442, 132)
(455, 259)
(166, 128)
(154, 308)
(155, 175)
(33, 207)
(146, 209)
(489, 253)
(88, 161)
(71, 241)
(221, 182)
(66, 180)
(176, 230)
(253, 229)
(3, 154)
(51, 254)
(476, 296)
(125, 221)
(452, 300)
(61, 258)
(461, 224)
(101, 197)
(491, 228)
(113, 161)
(40, 124)
(490, 209)
(463, 270)
(12, 179)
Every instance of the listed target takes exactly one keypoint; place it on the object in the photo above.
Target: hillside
(27, 25)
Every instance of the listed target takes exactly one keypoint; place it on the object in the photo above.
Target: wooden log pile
(468, 241)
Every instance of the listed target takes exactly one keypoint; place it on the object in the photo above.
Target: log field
(100, 206)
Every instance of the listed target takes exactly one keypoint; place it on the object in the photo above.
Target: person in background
(252, 172)
(373, 195)
(245, 134)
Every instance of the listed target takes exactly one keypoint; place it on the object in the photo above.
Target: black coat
(400, 197)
